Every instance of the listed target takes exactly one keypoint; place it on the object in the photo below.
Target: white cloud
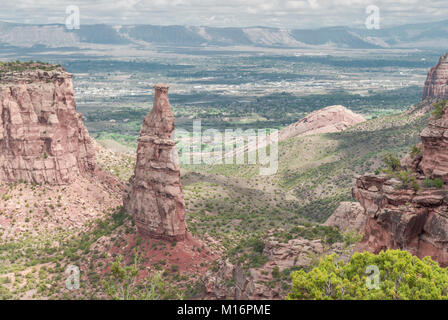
(285, 13)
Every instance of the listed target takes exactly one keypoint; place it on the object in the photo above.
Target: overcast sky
(275, 13)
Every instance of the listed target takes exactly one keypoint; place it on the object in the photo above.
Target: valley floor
(235, 217)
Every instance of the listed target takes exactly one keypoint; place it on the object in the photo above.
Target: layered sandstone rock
(349, 216)
(42, 137)
(155, 197)
(326, 120)
(436, 84)
(434, 160)
(404, 216)
(253, 283)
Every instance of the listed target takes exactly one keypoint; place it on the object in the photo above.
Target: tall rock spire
(155, 197)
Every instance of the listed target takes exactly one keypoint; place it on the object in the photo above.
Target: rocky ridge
(330, 119)
(233, 281)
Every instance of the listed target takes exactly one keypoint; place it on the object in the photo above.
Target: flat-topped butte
(17, 71)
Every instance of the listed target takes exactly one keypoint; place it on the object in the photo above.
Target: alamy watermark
(373, 277)
(72, 21)
(73, 277)
(233, 146)
(373, 19)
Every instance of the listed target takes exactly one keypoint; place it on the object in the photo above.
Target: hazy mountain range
(427, 35)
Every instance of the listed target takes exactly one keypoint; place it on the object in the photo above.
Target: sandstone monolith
(155, 198)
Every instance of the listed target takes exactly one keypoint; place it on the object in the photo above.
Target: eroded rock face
(349, 216)
(404, 219)
(410, 216)
(330, 119)
(436, 84)
(42, 137)
(434, 160)
(155, 197)
(231, 281)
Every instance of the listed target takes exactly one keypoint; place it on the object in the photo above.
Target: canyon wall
(42, 137)
(436, 84)
(409, 213)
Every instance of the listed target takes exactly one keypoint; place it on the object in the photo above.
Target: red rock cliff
(155, 197)
(436, 84)
(42, 137)
(408, 217)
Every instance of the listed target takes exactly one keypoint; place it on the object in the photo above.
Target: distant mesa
(426, 35)
(436, 84)
(42, 137)
(330, 119)
(155, 198)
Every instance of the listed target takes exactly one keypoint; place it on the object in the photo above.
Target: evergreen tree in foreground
(392, 274)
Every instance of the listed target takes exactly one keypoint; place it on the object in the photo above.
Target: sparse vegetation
(392, 162)
(19, 66)
(328, 235)
(124, 284)
(415, 151)
(439, 109)
(408, 180)
(433, 183)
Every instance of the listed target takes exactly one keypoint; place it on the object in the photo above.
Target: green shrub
(257, 244)
(401, 276)
(433, 183)
(352, 237)
(276, 272)
(392, 162)
(407, 179)
(122, 284)
(439, 109)
(415, 151)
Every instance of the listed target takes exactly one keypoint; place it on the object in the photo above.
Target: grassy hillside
(233, 203)
(315, 174)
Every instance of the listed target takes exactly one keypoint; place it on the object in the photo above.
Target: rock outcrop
(155, 197)
(326, 120)
(349, 216)
(416, 221)
(42, 137)
(232, 281)
(434, 158)
(436, 84)
(409, 213)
